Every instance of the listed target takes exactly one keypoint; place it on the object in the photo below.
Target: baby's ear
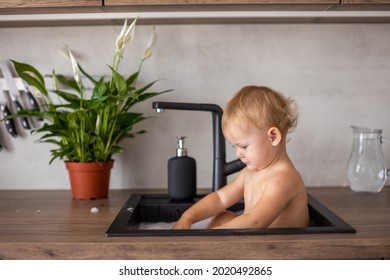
(275, 136)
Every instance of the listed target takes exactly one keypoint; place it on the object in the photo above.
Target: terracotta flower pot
(89, 180)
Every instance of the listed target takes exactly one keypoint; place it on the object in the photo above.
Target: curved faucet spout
(233, 166)
(220, 169)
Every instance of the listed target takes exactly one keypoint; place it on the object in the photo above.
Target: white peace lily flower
(55, 81)
(119, 39)
(75, 67)
(126, 35)
(152, 40)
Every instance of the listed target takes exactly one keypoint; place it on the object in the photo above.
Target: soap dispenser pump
(181, 174)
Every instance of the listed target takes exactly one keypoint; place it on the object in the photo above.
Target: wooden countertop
(50, 225)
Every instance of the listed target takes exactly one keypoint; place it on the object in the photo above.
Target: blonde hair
(262, 107)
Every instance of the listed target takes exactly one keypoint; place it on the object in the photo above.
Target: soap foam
(164, 225)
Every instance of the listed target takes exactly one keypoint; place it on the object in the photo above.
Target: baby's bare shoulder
(285, 180)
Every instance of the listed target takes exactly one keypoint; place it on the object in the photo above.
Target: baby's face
(253, 146)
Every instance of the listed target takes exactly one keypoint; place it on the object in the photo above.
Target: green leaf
(130, 80)
(87, 75)
(128, 119)
(27, 113)
(120, 84)
(141, 90)
(71, 83)
(71, 98)
(97, 103)
(100, 89)
(31, 76)
(141, 98)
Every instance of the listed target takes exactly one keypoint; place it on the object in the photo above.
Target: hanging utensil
(14, 93)
(31, 100)
(9, 123)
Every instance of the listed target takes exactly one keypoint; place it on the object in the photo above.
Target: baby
(256, 121)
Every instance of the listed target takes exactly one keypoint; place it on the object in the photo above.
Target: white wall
(338, 73)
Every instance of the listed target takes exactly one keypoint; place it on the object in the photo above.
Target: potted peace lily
(86, 128)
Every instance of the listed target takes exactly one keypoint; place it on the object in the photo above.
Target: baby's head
(262, 107)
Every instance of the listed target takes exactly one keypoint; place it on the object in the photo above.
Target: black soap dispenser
(181, 174)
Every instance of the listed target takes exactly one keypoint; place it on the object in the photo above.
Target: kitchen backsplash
(337, 73)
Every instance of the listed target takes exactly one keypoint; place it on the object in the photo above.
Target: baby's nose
(238, 153)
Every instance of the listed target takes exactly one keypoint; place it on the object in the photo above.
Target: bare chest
(253, 190)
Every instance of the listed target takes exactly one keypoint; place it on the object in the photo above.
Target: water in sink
(164, 225)
(168, 225)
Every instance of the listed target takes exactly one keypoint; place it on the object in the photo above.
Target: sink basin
(160, 208)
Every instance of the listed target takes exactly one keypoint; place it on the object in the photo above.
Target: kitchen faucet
(221, 168)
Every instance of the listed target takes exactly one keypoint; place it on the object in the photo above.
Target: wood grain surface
(50, 225)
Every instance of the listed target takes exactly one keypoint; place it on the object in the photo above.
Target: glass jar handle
(385, 140)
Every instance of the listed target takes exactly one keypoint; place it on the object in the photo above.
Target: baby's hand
(182, 224)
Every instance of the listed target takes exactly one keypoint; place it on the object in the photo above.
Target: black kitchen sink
(160, 208)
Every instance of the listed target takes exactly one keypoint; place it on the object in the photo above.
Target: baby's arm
(208, 206)
(211, 205)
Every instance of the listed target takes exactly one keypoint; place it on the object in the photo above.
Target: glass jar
(366, 170)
